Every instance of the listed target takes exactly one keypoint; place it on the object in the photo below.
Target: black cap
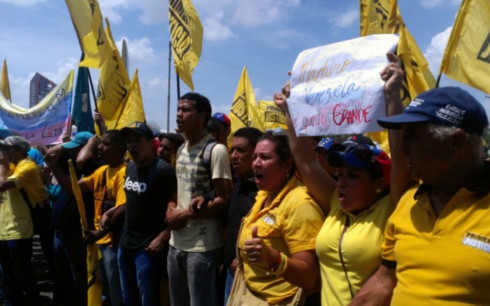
(139, 128)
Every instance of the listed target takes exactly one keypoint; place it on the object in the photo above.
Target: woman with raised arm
(357, 205)
(276, 243)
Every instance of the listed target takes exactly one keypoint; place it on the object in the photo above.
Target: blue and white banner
(45, 123)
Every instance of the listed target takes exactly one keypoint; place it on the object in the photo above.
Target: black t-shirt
(148, 190)
(242, 199)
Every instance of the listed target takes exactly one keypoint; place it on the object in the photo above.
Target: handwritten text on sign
(337, 89)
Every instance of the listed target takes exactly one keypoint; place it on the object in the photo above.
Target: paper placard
(337, 89)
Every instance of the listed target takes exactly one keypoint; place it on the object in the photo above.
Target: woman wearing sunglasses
(357, 205)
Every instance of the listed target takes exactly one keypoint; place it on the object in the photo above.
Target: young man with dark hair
(196, 241)
(150, 186)
(20, 187)
(106, 183)
(242, 196)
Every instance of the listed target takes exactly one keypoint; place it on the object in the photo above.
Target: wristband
(282, 266)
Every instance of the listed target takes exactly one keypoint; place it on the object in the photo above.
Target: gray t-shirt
(193, 180)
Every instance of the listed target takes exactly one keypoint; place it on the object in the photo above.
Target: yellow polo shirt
(15, 216)
(354, 239)
(290, 224)
(114, 190)
(442, 260)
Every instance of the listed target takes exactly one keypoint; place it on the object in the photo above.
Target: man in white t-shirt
(202, 198)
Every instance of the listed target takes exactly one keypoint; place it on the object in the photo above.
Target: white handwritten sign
(336, 89)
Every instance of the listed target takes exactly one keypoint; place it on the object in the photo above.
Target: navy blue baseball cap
(325, 143)
(138, 127)
(450, 106)
(362, 156)
(357, 139)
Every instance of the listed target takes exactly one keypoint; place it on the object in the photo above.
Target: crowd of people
(274, 219)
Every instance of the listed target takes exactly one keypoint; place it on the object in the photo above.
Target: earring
(378, 190)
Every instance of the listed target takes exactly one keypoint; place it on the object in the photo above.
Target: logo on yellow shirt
(477, 241)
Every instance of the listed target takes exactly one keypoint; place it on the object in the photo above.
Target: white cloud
(347, 19)
(214, 29)
(110, 9)
(63, 68)
(435, 50)
(158, 83)
(139, 49)
(153, 11)
(23, 2)
(258, 12)
(429, 4)
(19, 86)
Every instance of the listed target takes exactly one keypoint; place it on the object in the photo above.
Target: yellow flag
(383, 17)
(186, 37)
(244, 111)
(374, 15)
(4, 82)
(94, 289)
(87, 20)
(133, 109)
(467, 55)
(113, 86)
(272, 115)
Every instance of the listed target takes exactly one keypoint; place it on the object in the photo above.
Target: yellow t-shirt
(442, 260)
(114, 190)
(358, 238)
(290, 224)
(15, 216)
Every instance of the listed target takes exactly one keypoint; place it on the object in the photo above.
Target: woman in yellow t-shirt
(357, 203)
(276, 249)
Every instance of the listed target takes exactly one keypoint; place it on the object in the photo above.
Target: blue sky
(264, 35)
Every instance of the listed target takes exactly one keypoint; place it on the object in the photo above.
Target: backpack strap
(206, 160)
(104, 183)
(206, 156)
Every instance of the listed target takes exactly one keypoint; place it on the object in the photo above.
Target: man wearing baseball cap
(437, 241)
(150, 185)
(21, 190)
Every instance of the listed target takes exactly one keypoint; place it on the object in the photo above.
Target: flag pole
(93, 91)
(178, 85)
(438, 80)
(168, 89)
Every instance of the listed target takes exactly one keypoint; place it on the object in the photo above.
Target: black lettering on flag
(239, 109)
(382, 12)
(179, 29)
(484, 54)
